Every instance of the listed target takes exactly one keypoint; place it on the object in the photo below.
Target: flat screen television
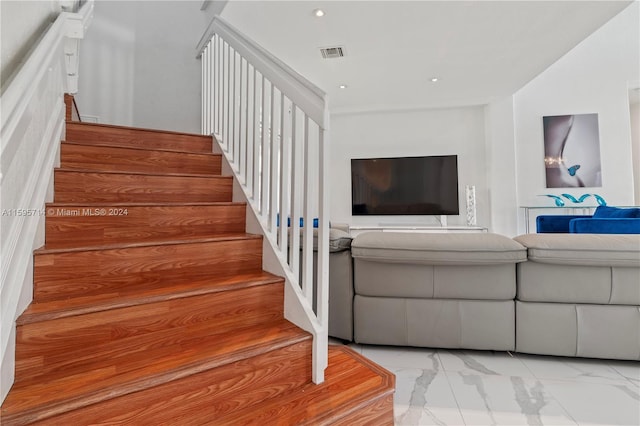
(405, 186)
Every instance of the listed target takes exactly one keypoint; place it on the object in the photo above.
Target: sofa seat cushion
(437, 249)
(583, 249)
(602, 285)
(584, 330)
(469, 324)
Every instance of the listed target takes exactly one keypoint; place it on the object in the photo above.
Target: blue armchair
(605, 220)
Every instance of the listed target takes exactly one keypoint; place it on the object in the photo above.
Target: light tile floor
(447, 387)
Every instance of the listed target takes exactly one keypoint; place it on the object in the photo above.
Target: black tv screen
(405, 186)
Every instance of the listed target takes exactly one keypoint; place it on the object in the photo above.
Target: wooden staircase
(151, 306)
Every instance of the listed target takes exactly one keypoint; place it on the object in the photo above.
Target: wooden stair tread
(148, 241)
(147, 204)
(157, 173)
(52, 397)
(69, 273)
(115, 127)
(202, 398)
(141, 148)
(80, 187)
(160, 242)
(352, 383)
(140, 294)
(104, 134)
(74, 225)
(92, 341)
(170, 332)
(76, 156)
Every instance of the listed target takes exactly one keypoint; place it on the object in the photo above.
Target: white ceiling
(479, 50)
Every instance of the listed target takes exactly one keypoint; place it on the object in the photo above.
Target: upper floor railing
(273, 127)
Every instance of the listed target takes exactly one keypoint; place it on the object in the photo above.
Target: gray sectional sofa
(579, 295)
(554, 294)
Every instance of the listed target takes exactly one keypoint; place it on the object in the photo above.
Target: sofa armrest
(546, 224)
(340, 226)
(605, 226)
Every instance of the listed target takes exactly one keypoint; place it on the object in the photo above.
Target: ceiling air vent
(332, 52)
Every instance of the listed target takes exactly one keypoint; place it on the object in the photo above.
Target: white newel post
(76, 26)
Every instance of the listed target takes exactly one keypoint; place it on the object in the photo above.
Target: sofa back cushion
(616, 212)
(437, 249)
(583, 249)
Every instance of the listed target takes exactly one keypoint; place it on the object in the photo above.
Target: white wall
(591, 78)
(139, 64)
(501, 166)
(457, 131)
(107, 64)
(22, 23)
(635, 141)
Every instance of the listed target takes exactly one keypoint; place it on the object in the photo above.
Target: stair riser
(126, 337)
(74, 225)
(79, 187)
(203, 398)
(290, 408)
(379, 412)
(58, 276)
(147, 292)
(109, 135)
(103, 158)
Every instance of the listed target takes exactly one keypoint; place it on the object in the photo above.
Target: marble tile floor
(460, 387)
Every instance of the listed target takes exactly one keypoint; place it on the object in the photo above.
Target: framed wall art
(572, 151)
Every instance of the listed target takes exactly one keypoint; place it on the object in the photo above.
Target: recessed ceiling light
(434, 79)
(343, 86)
(318, 13)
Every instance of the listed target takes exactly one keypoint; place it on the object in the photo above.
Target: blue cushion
(616, 212)
(546, 224)
(607, 225)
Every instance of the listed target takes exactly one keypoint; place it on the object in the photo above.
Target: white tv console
(357, 229)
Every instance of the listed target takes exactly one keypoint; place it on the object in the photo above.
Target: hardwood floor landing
(355, 391)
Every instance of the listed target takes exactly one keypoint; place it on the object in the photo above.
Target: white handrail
(272, 124)
(15, 97)
(305, 94)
